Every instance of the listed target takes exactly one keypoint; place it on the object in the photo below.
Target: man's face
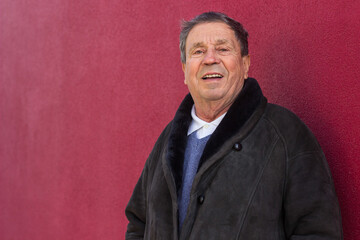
(214, 69)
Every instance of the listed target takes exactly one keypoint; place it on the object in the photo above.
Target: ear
(183, 65)
(246, 63)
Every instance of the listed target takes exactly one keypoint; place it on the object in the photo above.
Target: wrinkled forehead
(214, 33)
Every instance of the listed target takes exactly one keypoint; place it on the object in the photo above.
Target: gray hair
(207, 17)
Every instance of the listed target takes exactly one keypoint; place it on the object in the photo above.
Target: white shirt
(203, 128)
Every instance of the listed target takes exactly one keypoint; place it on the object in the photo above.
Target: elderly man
(230, 165)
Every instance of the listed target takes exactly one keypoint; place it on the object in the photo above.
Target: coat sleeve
(136, 209)
(310, 204)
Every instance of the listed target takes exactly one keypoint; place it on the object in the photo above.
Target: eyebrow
(196, 45)
(221, 41)
(200, 44)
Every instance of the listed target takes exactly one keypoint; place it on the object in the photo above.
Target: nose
(211, 57)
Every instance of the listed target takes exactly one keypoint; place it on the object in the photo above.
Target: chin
(213, 96)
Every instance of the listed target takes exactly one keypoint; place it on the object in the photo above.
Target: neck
(210, 111)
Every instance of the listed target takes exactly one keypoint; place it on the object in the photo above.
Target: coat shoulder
(297, 137)
(159, 147)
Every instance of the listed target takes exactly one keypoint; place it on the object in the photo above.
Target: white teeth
(212, 76)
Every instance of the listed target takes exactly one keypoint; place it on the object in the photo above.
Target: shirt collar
(203, 128)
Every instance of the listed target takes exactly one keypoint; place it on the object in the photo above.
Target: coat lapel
(248, 100)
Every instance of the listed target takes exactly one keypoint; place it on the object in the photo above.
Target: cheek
(193, 65)
(189, 74)
(237, 68)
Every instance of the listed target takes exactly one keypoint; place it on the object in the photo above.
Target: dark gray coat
(262, 176)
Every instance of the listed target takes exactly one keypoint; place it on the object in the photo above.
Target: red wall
(87, 86)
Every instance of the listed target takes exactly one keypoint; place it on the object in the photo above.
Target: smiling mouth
(212, 76)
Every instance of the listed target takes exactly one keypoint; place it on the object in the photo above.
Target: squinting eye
(223, 50)
(198, 52)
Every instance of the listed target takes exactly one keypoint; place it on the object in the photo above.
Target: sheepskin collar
(243, 107)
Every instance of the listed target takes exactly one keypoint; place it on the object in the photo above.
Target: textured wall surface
(87, 86)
